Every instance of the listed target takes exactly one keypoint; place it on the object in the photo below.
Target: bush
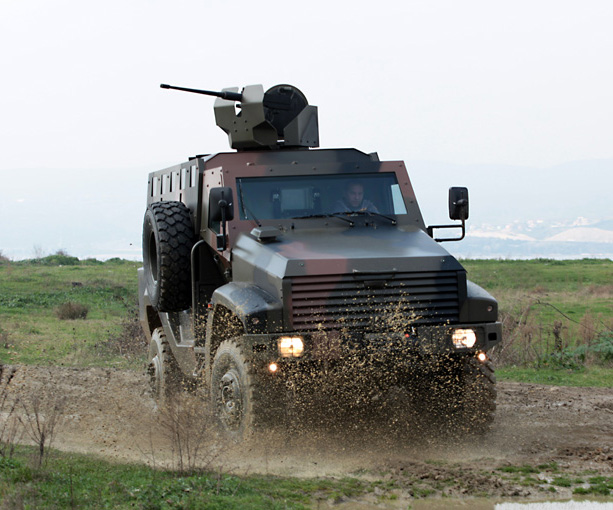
(71, 311)
(601, 349)
(59, 260)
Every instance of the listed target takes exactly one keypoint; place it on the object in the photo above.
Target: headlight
(291, 346)
(464, 338)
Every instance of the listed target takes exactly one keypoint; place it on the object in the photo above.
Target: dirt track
(110, 412)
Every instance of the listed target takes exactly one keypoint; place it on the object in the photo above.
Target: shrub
(187, 425)
(59, 260)
(601, 350)
(71, 311)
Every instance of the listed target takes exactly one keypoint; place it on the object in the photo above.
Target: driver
(353, 200)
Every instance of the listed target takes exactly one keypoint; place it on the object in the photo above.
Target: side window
(165, 183)
(398, 202)
(155, 187)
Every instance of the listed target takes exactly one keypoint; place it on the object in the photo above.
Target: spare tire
(168, 237)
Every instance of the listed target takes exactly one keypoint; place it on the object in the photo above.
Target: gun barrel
(231, 96)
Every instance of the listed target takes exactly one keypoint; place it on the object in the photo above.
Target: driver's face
(354, 195)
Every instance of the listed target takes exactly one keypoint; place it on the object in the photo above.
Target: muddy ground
(111, 413)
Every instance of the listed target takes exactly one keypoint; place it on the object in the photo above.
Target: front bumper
(420, 340)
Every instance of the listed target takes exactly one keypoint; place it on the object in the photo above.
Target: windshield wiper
(372, 213)
(244, 205)
(331, 215)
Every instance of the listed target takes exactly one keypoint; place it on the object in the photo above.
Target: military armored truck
(280, 262)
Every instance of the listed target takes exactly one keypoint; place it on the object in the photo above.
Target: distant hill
(515, 212)
(520, 212)
(500, 195)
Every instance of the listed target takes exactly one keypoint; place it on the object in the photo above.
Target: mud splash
(111, 413)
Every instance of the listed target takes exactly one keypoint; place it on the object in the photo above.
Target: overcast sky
(467, 82)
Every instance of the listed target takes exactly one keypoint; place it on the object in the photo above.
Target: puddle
(556, 505)
(489, 505)
(472, 504)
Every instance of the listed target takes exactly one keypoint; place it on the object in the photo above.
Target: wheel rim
(153, 258)
(155, 375)
(230, 405)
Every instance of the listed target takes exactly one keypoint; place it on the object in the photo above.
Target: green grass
(68, 480)
(527, 475)
(534, 295)
(79, 481)
(30, 293)
(586, 377)
(551, 287)
(540, 274)
(557, 315)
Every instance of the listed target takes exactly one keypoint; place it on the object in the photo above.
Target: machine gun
(279, 117)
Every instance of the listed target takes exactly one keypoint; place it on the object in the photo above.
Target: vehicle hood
(336, 252)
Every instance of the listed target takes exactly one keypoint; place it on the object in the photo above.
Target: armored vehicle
(279, 263)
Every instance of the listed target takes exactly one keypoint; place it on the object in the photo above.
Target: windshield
(295, 196)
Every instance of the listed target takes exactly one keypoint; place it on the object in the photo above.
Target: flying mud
(111, 413)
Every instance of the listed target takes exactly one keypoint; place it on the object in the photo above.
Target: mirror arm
(221, 238)
(440, 240)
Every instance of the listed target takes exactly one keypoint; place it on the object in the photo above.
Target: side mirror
(221, 204)
(221, 208)
(458, 203)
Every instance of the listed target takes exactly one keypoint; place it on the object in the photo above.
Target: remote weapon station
(270, 270)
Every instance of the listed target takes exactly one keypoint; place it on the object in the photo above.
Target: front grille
(375, 302)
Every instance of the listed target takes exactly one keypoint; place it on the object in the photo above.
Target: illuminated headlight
(464, 338)
(291, 346)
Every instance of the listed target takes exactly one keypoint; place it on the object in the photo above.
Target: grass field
(31, 294)
(85, 481)
(82, 481)
(557, 318)
(556, 315)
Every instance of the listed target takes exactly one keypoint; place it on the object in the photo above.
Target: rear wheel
(164, 373)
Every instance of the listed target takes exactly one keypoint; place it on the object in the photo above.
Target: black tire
(237, 396)
(164, 373)
(168, 237)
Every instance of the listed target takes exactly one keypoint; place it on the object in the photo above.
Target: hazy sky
(515, 82)
(464, 82)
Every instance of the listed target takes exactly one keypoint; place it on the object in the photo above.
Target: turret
(281, 117)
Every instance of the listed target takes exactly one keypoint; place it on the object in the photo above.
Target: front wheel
(234, 395)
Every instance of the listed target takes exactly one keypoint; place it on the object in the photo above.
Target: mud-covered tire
(168, 237)
(479, 395)
(164, 374)
(237, 397)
